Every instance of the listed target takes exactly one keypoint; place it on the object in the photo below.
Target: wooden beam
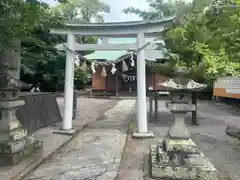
(116, 81)
(194, 113)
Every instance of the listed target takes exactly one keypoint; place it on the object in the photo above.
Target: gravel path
(223, 150)
(209, 136)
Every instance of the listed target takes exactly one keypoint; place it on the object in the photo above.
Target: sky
(117, 6)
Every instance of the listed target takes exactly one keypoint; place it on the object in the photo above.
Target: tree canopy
(82, 10)
(205, 37)
(30, 21)
(159, 9)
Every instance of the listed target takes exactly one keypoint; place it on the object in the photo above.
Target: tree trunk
(10, 62)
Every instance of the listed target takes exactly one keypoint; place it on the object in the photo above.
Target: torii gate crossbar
(139, 29)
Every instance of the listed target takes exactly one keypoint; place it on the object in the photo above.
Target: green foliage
(205, 38)
(30, 21)
(16, 20)
(159, 9)
(207, 42)
(42, 65)
(82, 10)
(80, 75)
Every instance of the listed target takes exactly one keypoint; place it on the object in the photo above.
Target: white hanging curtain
(132, 60)
(124, 66)
(77, 61)
(124, 77)
(93, 67)
(104, 72)
(84, 66)
(113, 68)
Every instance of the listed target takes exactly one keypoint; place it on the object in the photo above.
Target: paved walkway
(95, 153)
(88, 111)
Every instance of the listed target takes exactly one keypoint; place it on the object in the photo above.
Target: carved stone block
(180, 107)
(180, 97)
(19, 152)
(178, 145)
(194, 166)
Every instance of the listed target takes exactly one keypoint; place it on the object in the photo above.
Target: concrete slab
(143, 135)
(68, 132)
(95, 153)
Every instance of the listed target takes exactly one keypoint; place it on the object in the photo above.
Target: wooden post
(156, 106)
(106, 85)
(116, 76)
(150, 106)
(194, 113)
(154, 81)
(74, 104)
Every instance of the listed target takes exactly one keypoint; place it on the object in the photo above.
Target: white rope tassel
(124, 77)
(104, 73)
(84, 66)
(93, 67)
(113, 68)
(77, 61)
(124, 66)
(132, 60)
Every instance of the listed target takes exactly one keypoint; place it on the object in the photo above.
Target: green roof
(122, 40)
(108, 55)
(111, 55)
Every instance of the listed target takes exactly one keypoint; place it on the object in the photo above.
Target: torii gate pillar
(69, 85)
(142, 131)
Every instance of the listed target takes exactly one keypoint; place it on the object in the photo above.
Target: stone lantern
(14, 142)
(177, 156)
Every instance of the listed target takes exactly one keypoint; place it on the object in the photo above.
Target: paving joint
(35, 165)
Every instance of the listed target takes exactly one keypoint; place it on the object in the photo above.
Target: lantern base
(15, 145)
(13, 152)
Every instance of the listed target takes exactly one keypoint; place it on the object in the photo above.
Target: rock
(233, 131)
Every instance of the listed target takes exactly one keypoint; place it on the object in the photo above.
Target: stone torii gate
(139, 29)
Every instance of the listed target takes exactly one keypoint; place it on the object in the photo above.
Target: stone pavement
(95, 153)
(209, 136)
(89, 110)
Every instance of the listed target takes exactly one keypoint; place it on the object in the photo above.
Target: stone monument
(14, 142)
(177, 156)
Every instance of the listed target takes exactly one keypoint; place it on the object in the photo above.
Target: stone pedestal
(183, 161)
(177, 157)
(179, 129)
(14, 142)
